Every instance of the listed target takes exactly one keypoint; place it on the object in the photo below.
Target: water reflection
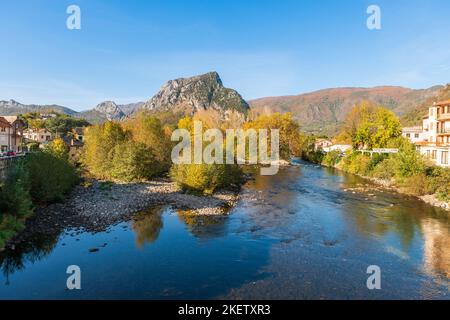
(307, 232)
(147, 226)
(436, 256)
(31, 249)
(204, 227)
(373, 211)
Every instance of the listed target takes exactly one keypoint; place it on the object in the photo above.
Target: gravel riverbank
(97, 206)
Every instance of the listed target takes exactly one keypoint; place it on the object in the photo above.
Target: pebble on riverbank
(94, 208)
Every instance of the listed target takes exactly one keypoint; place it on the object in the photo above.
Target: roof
(443, 103)
(10, 119)
(412, 129)
(70, 142)
(78, 130)
(322, 140)
(41, 130)
(4, 123)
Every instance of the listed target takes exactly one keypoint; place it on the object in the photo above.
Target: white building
(414, 134)
(38, 135)
(339, 147)
(435, 137)
(321, 144)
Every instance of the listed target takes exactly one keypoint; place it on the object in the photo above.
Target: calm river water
(306, 233)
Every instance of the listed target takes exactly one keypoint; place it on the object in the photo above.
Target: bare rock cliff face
(189, 95)
(111, 110)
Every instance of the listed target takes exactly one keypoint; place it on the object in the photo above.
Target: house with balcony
(434, 141)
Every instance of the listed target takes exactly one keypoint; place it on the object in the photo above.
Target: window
(434, 154)
(3, 129)
(408, 135)
(428, 154)
(444, 158)
(416, 136)
(4, 148)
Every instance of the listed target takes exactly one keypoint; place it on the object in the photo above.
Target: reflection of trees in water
(380, 221)
(147, 226)
(31, 249)
(404, 217)
(436, 247)
(204, 227)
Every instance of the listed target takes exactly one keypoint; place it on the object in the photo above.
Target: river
(306, 233)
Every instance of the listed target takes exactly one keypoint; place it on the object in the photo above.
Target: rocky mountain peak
(10, 103)
(199, 92)
(111, 110)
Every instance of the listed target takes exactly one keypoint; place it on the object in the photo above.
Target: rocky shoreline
(430, 199)
(390, 185)
(96, 206)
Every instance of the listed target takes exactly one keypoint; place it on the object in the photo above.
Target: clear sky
(126, 50)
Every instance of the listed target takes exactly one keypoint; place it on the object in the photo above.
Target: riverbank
(391, 185)
(294, 235)
(96, 205)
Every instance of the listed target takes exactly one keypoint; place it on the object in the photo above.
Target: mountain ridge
(323, 111)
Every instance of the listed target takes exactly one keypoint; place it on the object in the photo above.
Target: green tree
(63, 124)
(148, 130)
(51, 177)
(371, 126)
(100, 146)
(15, 198)
(133, 161)
(206, 178)
(408, 161)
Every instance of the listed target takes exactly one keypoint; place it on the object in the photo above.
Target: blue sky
(126, 50)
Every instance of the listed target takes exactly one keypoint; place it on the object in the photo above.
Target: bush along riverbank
(406, 172)
(41, 178)
(369, 126)
(125, 166)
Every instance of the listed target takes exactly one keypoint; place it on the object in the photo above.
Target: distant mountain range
(12, 108)
(323, 111)
(319, 112)
(185, 95)
(107, 110)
